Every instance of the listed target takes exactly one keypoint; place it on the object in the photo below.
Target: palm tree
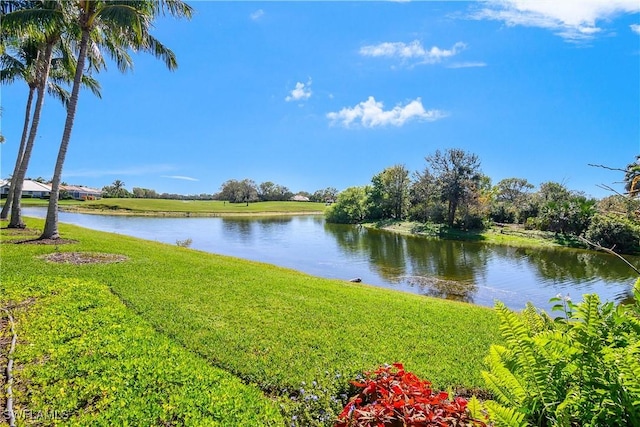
(110, 25)
(23, 66)
(632, 178)
(44, 65)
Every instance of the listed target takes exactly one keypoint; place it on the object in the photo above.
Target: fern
(475, 408)
(504, 417)
(629, 367)
(582, 369)
(500, 381)
(530, 363)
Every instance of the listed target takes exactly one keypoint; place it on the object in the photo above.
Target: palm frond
(153, 46)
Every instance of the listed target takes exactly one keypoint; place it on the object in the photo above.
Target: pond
(467, 271)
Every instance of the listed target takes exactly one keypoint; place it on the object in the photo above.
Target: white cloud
(413, 50)
(255, 16)
(371, 113)
(635, 28)
(181, 177)
(573, 20)
(467, 65)
(302, 91)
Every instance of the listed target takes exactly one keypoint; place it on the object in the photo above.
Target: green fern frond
(515, 335)
(504, 417)
(555, 345)
(501, 381)
(475, 408)
(589, 312)
(564, 410)
(529, 363)
(535, 321)
(629, 367)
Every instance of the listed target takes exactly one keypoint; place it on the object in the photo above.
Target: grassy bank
(272, 327)
(162, 207)
(507, 235)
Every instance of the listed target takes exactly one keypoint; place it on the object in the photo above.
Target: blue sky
(317, 94)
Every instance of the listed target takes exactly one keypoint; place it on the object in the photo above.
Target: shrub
(186, 243)
(580, 369)
(391, 396)
(317, 403)
(614, 231)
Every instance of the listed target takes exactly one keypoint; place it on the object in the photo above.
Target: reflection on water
(465, 271)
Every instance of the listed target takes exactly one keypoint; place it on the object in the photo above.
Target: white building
(30, 188)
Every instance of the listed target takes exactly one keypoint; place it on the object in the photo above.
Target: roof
(300, 198)
(29, 185)
(80, 189)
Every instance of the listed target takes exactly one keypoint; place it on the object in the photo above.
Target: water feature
(467, 271)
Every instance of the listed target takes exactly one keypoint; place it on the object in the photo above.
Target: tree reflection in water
(471, 271)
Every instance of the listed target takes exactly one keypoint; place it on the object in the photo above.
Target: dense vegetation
(581, 369)
(453, 191)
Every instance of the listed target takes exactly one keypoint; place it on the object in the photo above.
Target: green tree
(426, 203)
(235, 191)
(114, 26)
(511, 202)
(326, 195)
(563, 211)
(389, 196)
(144, 193)
(457, 175)
(268, 191)
(350, 206)
(115, 190)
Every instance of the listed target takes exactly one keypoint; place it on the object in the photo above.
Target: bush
(581, 369)
(501, 213)
(614, 231)
(391, 396)
(350, 208)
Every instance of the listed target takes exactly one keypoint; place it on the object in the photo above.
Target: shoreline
(176, 214)
(510, 235)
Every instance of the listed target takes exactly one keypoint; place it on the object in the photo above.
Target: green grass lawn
(192, 207)
(269, 326)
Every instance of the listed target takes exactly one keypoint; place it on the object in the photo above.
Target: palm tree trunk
(51, 223)
(16, 214)
(23, 141)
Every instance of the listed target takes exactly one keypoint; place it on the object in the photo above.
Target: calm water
(466, 271)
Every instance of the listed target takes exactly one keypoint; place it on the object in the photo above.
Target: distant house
(80, 192)
(299, 198)
(33, 189)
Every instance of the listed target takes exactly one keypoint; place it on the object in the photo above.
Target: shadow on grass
(568, 241)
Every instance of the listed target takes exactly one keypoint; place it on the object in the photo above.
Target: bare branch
(606, 167)
(611, 251)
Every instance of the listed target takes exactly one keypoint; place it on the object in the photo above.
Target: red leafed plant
(391, 397)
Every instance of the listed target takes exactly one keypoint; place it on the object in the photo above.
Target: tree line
(233, 191)
(246, 191)
(52, 45)
(452, 190)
